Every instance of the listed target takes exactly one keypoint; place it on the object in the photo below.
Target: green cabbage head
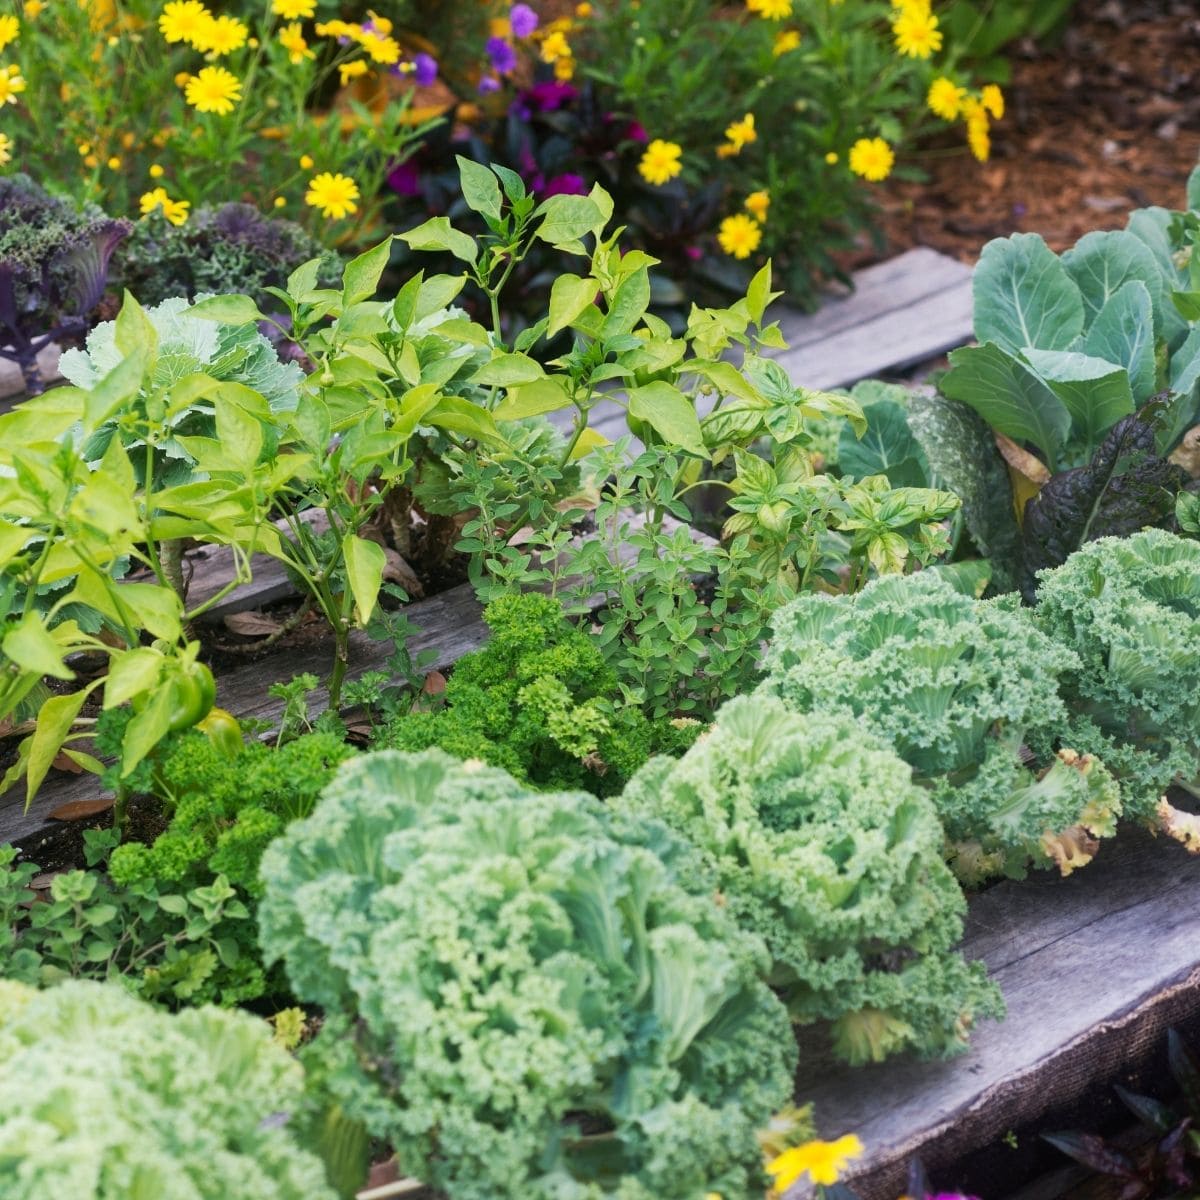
(526, 995)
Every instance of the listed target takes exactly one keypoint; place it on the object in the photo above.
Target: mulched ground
(1106, 121)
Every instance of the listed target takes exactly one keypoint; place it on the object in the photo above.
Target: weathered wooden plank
(1093, 968)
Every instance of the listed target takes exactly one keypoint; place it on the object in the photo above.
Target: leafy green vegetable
(539, 701)
(821, 843)
(525, 994)
(1130, 609)
(104, 1098)
(956, 686)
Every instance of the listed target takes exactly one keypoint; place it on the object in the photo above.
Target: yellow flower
(114, 163)
(5, 149)
(10, 30)
(292, 40)
(306, 162)
(280, 202)
(992, 99)
(554, 47)
(785, 41)
(727, 150)
(583, 11)
(33, 9)
(660, 162)
(293, 10)
(221, 35)
(12, 84)
(945, 98)
(564, 69)
(770, 10)
(831, 157)
(213, 90)
(823, 1161)
(757, 204)
(336, 29)
(155, 171)
(739, 235)
(175, 211)
(742, 132)
(334, 195)
(979, 136)
(91, 161)
(352, 70)
(917, 34)
(384, 50)
(84, 148)
(872, 158)
(183, 21)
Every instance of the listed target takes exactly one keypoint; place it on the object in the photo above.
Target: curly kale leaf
(132, 1102)
(957, 687)
(527, 995)
(539, 701)
(820, 842)
(1127, 486)
(1130, 610)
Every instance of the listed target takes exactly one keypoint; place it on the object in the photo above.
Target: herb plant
(820, 843)
(524, 993)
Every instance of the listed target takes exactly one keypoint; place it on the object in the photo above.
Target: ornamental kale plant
(132, 1103)
(53, 269)
(959, 688)
(1086, 361)
(525, 994)
(1130, 610)
(540, 701)
(820, 843)
(231, 248)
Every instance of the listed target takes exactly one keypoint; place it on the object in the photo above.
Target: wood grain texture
(1094, 968)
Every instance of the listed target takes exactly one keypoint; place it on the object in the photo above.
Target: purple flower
(405, 179)
(487, 84)
(425, 69)
(522, 19)
(636, 132)
(565, 185)
(503, 56)
(546, 97)
(694, 253)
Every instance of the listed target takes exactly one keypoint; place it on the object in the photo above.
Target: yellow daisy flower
(770, 10)
(6, 148)
(917, 34)
(175, 211)
(785, 41)
(992, 99)
(385, 50)
(945, 98)
(183, 21)
(872, 158)
(352, 70)
(742, 132)
(293, 10)
(213, 90)
(33, 9)
(221, 35)
(757, 204)
(334, 195)
(554, 47)
(739, 235)
(660, 162)
(12, 84)
(10, 30)
(822, 1161)
(292, 40)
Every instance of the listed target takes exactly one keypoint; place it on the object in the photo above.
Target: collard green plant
(820, 843)
(539, 700)
(53, 269)
(133, 1103)
(525, 994)
(958, 687)
(1129, 608)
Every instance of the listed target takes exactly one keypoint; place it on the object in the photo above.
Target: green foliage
(105, 1098)
(224, 810)
(176, 945)
(525, 994)
(957, 687)
(1130, 609)
(539, 701)
(821, 844)
(231, 248)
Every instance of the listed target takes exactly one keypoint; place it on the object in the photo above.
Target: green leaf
(240, 434)
(1024, 296)
(1096, 393)
(361, 277)
(133, 332)
(114, 391)
(156, 608)
(480, 188)
(1193, 189)
(130, 674)
(1123, 332)
(438, 234)
(628, 305)
(886, 448)
(304, 278)
(146, 729)
(33, 648)
(55, 718)
(508, 370)
(227, 310)
(365, 562)
(569, 296)
(566, 219)
(1009, 397)
(461, 416)
(759, 294)
(1101, 262)
(670, 414)
(533, 399)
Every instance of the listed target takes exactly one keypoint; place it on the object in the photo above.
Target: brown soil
(1106, 121)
